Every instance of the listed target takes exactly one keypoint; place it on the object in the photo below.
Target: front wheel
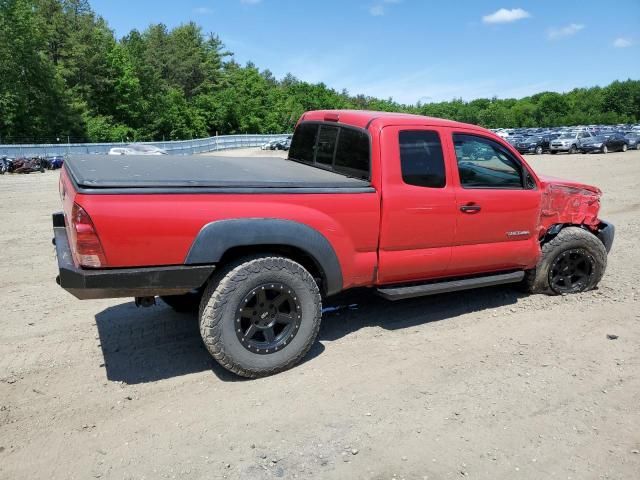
(573, 261)
(539, 150)
(260, 316)
(624, 147)
(605, 149)
(573, 149)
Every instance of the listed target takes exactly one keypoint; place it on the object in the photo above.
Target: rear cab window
(338, 148)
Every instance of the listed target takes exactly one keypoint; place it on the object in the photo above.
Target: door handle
(470, 208)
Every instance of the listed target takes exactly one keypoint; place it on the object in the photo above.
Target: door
(418, 206)
(497, 207)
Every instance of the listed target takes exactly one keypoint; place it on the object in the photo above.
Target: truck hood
(566, 201)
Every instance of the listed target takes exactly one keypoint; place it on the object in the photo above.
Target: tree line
(64, 74)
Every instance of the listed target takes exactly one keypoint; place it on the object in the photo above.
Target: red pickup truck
(405, 204)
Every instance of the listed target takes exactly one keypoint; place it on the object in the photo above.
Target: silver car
(569, 142)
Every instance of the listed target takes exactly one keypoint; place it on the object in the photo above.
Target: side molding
(215, 238)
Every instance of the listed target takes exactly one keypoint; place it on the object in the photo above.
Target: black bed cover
(174, 173)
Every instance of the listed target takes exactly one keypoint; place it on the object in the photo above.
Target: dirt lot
(489, 384)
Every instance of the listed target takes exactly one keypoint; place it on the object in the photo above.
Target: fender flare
(215, 238)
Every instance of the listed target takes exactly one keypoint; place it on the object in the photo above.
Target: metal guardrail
(180, 147)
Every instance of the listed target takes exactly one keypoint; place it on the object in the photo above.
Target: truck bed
(172, 174)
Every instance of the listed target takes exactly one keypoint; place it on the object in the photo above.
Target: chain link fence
(180, 147)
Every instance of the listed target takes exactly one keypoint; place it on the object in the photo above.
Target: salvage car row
(578, 139)
(29, 164)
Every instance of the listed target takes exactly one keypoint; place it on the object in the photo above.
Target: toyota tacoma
(406, 205)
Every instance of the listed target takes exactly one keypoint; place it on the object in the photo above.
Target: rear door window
(421, 159)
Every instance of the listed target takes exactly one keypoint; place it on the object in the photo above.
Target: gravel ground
(489, 384)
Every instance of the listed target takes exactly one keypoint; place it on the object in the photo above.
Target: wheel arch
(225, 240)
(604, 232)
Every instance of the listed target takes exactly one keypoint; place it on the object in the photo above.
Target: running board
(400, 293)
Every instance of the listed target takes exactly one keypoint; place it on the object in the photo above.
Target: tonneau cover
(159, 172)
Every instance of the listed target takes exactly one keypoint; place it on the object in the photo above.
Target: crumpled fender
(568, 202)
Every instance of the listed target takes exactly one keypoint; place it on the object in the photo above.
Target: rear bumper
(606, 232)
(122, 282)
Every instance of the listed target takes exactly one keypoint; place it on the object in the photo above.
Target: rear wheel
(260, 316)
(573, 261)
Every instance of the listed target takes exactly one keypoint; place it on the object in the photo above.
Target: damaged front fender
(569, 204)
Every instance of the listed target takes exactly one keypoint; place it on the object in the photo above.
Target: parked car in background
(269, 145)
(569, 142)
(605, 143)
(5, 165)
(283, 144)
(137, 149)
(53, 163)
(633, 140)
(532, 144)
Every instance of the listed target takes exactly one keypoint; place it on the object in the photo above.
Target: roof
(365, 118)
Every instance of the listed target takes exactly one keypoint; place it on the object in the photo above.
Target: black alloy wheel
(268, 318)
(571, 271)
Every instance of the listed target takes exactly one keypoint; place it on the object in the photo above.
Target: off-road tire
(223, 296)
(537, 280)
(187, 303)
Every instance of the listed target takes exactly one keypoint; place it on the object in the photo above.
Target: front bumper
(559, 148)
(606, 232)
(87, 284)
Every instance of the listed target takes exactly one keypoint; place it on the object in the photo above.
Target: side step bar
(400, 293)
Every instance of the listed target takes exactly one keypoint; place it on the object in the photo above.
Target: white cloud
(506, 16)
(203, 10)
(569, 30)
(380, 8)
(621, 42)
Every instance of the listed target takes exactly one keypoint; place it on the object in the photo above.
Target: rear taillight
(84, 240)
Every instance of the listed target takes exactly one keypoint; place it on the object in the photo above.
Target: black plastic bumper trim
(123, 282)
(606, 233)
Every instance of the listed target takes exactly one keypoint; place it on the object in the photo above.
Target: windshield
(567, 135)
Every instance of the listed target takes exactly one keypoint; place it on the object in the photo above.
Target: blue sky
(415, 50)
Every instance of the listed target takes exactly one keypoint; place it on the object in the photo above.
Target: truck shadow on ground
(145, 345)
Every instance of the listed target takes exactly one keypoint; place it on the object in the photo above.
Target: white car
(137, 149)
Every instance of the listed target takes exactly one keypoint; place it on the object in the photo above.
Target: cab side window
(421, 159)
(483, 163)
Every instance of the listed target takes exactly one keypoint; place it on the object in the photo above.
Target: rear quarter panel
(159, 229)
